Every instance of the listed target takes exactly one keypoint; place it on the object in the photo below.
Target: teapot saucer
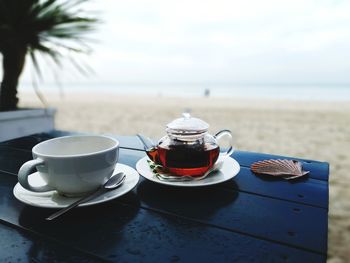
(52, 199)
(230, 168)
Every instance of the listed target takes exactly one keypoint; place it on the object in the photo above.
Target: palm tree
(35, 27)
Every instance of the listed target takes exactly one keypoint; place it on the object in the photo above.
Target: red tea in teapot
(187, 148)
(185, 159)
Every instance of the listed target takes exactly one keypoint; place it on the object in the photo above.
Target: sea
(315, 92)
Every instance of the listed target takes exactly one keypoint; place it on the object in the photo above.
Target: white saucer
(229, 169)
(52, 199)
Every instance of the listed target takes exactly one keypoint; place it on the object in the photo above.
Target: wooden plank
(129, 233)
(22, 246)
(304, 190)
(28, 142)
(318, 170)
(12, 159)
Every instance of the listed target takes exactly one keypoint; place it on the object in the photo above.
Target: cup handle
(221, 134)
(25, 171)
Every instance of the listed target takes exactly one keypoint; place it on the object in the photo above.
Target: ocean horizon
(314, 92)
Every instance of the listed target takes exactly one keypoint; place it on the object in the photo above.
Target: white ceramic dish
(52, 199)
(229, 169)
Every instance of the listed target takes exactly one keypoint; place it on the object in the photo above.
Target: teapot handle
(221, 134)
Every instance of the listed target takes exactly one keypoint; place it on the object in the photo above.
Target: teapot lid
(187, 125)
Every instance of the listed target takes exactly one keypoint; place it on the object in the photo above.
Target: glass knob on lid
(187, 128)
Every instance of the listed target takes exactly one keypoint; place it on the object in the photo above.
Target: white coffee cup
(72, 165)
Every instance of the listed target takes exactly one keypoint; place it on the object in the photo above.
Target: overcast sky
(239, 41)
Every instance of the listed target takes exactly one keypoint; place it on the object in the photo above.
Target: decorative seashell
(287, 169)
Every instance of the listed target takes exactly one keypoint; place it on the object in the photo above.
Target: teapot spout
(150, 148)
(153, 155)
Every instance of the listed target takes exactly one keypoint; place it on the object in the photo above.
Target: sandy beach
(312, 130)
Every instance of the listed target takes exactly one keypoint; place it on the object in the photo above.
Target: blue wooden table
(247, 219)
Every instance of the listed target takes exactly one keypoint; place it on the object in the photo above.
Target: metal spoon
(147, 142)
(112, 183)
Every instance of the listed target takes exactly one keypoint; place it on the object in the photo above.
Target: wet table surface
(249, 218)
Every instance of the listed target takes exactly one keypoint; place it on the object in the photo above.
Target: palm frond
(52, 53)
(83, 69)
(45, 26)
(35, 63)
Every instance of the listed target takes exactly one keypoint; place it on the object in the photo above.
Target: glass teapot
(188, 148)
